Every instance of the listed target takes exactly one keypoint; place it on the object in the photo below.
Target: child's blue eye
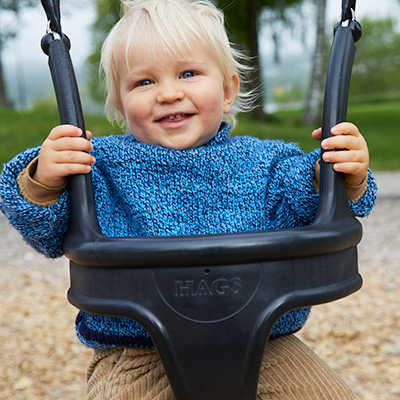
(145, 82)
(188, 74)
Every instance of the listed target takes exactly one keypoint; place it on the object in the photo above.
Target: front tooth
(175, 116)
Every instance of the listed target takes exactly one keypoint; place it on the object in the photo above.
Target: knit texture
(228, 185)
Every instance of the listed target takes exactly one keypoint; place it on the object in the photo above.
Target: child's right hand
(64, 153)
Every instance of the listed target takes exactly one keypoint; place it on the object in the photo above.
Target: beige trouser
(290, 370)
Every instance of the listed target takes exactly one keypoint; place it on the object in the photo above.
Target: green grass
(22, 130)
(379, 123)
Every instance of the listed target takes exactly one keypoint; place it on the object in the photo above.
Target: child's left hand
(354, 160)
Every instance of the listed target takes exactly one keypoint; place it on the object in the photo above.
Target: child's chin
(180, 144)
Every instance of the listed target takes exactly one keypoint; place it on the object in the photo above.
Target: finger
(317, 134)
(342, 142)
(56, 174)
(63, 131)
(342, 156)
(72, 144)
(349, 168)
(89, 135)
(73, 157)
(63, 170)
(345, 128)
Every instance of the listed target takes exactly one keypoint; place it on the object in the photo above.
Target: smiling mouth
(175, 117)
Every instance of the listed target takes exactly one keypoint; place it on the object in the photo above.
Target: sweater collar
(221, 136)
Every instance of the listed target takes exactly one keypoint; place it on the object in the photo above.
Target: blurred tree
(377, 62)
(376, 66)
(312, 112)
(107, 14)
(7, 32)
(244, 21)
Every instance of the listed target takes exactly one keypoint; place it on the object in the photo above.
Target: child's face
(174, 102)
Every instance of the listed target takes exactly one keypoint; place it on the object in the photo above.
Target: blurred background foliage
(376, 71)
(286, 82)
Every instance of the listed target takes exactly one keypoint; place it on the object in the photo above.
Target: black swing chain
(53, 31)
(348, 19)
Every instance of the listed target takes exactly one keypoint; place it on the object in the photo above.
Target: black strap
(52, 8)
(347, 6)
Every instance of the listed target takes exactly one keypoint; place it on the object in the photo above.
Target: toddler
(175, 83)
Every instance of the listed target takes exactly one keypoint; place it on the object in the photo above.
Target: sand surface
(359, 336)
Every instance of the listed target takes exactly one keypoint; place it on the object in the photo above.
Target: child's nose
(169, 93)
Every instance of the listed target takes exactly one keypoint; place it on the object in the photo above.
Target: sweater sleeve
(293, 188)
(362, 198)
(34, 192)
(354, 193)
(363, 206)
(41, 227)
(291, 197)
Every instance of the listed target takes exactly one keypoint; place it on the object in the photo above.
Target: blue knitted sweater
(228, 185)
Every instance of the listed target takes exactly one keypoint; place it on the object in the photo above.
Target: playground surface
(358, 336)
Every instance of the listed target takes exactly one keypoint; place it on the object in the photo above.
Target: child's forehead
(150, 53)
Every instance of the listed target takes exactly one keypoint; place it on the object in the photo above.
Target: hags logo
(218, 287)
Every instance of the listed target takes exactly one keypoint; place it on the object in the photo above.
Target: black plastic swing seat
(209, 302)
(210, 321)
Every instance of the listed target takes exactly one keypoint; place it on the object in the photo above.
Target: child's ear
(230, 91)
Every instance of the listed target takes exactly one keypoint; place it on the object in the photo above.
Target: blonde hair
(172, 26)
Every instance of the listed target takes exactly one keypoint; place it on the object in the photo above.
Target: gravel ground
(359, 336)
